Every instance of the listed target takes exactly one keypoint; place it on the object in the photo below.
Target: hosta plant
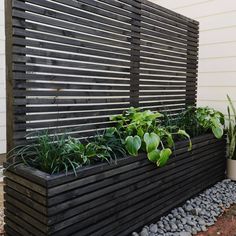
(211, 119)
(142, 130)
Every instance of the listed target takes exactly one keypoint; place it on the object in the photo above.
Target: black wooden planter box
(109, 200)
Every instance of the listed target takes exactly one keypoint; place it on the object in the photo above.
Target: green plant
(196, 121)
(231, 130)
(136, 122)
(186, 120)
(54, 153)
(135, 130)
(211, 119)
(142, 130)
(51, 154)
(107, 145)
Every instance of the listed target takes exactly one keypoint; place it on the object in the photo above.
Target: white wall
(217, 56)
(2, 82)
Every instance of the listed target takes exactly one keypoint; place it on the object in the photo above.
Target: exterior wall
(2, 82)
(217, 55)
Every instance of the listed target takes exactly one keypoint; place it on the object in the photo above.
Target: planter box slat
(26, 200)
(26, 183)
(111, 200)
(129, 168)
(95, 208)
(26, 191)
(24, 224)
(131, 203)
(155, 214)
(26, 217)
(29, 210)
(127, 182)
(123, 218)
(14, 229)
(134, 203)
(92, 170)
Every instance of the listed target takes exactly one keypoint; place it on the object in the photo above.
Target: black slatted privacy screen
(76, 62)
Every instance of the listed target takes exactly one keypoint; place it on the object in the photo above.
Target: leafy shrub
(197, 121)
(142, 130)
(211, 119)
(135, 131)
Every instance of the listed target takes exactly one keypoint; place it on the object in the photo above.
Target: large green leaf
(154, 155)
(217, 131)
(164, 157)
(152, 141)
(133, 144)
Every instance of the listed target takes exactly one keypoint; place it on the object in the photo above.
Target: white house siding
(217, 54)
(2, 82)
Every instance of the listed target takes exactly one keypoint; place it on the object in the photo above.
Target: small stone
(188, 228)
(184, 221)
(135, 234)
(201, 222)
(173, 226)
(160, 224)
(160, 231)
(180, 226)
(153, 228)
(184, 234)
(144, 232)
(194, 231)
(152, 234)
(192, 223)
(203, 228)
(188, 208)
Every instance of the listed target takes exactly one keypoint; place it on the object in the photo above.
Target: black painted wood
(109, 199)
(75, 63)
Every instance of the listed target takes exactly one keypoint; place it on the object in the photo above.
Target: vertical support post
(9, 74)
(135, 54)
(192, 65)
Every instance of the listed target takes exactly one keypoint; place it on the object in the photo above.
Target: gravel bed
(196, 214)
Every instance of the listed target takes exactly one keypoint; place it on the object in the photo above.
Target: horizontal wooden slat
(72, 59)
(66, 48)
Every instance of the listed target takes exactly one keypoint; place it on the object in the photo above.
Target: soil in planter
(225, 225)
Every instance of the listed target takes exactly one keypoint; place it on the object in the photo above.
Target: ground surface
(225, 225)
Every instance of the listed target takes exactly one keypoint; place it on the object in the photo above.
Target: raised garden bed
(109, 200)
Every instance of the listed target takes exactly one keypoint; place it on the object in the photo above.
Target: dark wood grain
(89, 55)
(110, 199)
